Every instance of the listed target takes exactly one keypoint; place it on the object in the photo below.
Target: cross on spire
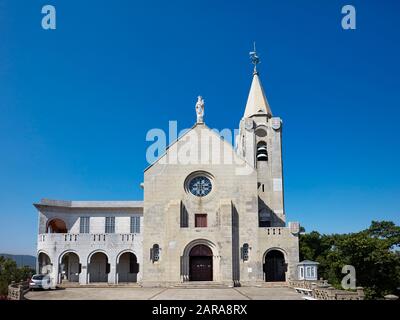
(257, 102)
(255, 59)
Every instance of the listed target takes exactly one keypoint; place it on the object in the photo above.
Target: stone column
(171, 253)
(225, 240)
(185, 269)
(83, 276)
(54, 273)
(113, 270)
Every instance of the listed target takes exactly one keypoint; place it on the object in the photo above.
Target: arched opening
(56, 226)
(99, 268)
(245, 252)
(187, 259)
(44, 263)
(155, 253)
(127, 268)
(70, 268)
(275, 266)
(201, 263)
(264, 218)
(262, 153)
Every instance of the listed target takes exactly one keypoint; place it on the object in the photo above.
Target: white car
(40, 281)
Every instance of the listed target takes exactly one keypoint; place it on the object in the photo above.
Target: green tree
(372, 252)
(10, 272)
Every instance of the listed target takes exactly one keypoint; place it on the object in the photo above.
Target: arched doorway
(200, 263)
(70, 268)
(56, 226)
(127, 267)
(99, 268)
(44, 263)
(274, 266)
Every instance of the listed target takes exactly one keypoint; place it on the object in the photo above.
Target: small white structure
(307, 270)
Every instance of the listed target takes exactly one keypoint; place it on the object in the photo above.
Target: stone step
(278, 284)
(200, 285)
(98, 285)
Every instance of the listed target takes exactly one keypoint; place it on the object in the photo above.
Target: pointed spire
(256, 102)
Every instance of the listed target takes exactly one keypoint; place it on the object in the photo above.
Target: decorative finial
(255, 59)
(200, 109)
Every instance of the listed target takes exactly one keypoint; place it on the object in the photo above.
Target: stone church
(212, 212)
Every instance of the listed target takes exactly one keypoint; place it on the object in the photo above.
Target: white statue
(200, 109)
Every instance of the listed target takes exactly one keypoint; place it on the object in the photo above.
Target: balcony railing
(274, 231)
(93, 238)
(293, 228)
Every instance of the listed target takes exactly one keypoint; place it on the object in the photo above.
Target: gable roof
(186, 133)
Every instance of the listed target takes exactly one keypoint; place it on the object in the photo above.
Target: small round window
(200, 186)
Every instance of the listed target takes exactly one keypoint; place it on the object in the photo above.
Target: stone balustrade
(321, 290)
(306, 284)
(16, 291)
(276, 231)
(68, 239)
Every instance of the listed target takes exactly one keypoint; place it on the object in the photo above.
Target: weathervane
(255, 59)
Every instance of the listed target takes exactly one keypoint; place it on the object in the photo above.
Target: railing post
(360, 292)
(331, 293)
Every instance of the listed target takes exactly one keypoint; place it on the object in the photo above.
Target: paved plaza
(241, 293)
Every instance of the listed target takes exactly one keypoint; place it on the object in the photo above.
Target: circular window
(261, 132)
(199, 186)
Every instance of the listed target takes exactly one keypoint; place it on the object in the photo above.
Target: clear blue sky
(76, 103)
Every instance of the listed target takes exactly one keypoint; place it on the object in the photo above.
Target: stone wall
(16, 291)
(231, 208)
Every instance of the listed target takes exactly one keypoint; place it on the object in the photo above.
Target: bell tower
(259, 143)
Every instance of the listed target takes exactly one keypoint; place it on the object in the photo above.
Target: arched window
(155, 253)
(245, 252)
(262, 152)
(184, 216)
(301, 271)
(56, 226)
(264, 218)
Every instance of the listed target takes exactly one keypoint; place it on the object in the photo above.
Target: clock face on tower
(200, 186)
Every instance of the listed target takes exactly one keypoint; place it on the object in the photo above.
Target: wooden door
(274, 266)
(201, 269)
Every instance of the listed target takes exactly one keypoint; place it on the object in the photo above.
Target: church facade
(211, 212)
